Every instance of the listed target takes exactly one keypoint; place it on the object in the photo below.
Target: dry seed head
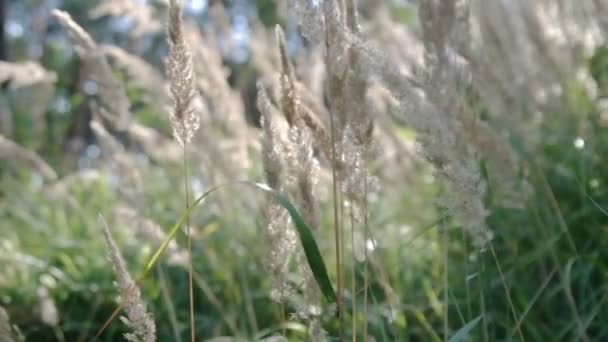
(310, 17)
(291, 106)
(121, 163)
(184, 117)
(80, 37)
(446, 143)
(271, 145)
(141, 14)
(143, 75)
(305, 167)
(25, 74)
(289, 96)
(223, 109)
(138, 319)
(281, 245)
(154, 144)
(114, 105)
(12, 151)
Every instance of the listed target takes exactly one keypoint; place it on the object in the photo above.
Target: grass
(395, 266)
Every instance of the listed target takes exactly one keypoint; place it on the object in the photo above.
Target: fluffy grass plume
(184, 117)
(137, 318)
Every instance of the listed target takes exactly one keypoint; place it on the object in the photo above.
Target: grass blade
(463, 332)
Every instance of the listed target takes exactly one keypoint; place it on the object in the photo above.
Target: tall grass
(375, 172)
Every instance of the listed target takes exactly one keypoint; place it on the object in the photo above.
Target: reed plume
(143, 16)
(184, 115)
(279, 236)
(111, 98)
(290, 166)
(120, 162)
(182, 83)
(138, 319)
(142, 74)
(12, 151)
(25, 74)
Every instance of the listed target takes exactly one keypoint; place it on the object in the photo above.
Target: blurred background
(550, 247)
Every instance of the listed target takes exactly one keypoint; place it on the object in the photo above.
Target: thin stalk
(190, 266)
(342, 233)
(507, 293)
(208, 292)
(282, 303)
(466, 272)
(166, 296)
(248, 301)
(534, 299)
(565, 285)
(282, 311)
(446, 301)
(482, 301)
(365, 265)
(555, 206)
(354, 272)
(337, 224)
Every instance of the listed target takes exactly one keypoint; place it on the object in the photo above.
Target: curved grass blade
(463, 332)
(311, 249)
(293, 326)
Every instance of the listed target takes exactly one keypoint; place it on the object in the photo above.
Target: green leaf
(463, 332)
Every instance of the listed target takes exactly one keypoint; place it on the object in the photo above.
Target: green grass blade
(463, 332)
(175, 229)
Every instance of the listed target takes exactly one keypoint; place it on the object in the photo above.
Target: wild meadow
(303, 170)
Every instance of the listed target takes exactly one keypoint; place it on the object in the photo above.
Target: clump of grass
(496, 129)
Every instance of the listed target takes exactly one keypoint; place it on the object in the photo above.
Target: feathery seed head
(114, 104)
(271, 146)
(289, 97)
(281, 242)
(81, 38)
(184, 115)
(13, 151)
(138, 319)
